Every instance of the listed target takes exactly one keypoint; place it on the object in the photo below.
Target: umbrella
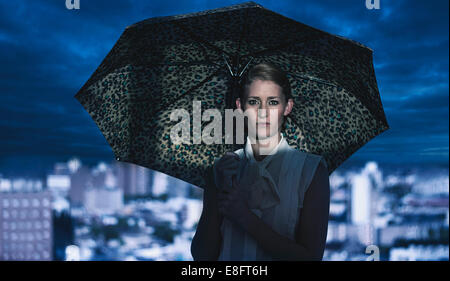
(166, 63)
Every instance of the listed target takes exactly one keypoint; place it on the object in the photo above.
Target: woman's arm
(311, 233)
(207, 239)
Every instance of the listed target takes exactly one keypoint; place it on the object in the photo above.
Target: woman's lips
(263, 124)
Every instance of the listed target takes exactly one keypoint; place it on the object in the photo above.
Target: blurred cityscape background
(121, 211)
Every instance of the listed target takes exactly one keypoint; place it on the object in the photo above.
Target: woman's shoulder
(308, 156)
(312, 161)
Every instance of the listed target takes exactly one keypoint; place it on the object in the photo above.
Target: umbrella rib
(200, 40)
(262, 52)
(318, 80)
(178, 63)
(238, 51)
(246, 38)
(172, 100)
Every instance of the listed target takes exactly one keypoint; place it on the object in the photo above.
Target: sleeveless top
(275, 189)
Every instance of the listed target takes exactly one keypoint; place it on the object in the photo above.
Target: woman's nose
(262, 112)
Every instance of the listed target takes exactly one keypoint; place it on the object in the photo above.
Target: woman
(267, 201)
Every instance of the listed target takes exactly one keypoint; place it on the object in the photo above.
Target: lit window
(15, 203)
(35, 202)
(23, 214)
(46, 234)
(5, 203)
(25, 203)
(45, 202)
(35, 214)
(46, 213)
(14, 214)
(37, 225)
(6, 215)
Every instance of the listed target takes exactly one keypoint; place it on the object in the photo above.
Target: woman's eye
(273, 102)
(252, 102)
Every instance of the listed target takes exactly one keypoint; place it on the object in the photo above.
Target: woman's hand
(232, 202)
(225, 168)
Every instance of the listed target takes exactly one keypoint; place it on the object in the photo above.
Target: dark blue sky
(48, 52)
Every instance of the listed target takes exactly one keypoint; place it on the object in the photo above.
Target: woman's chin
(263, 134)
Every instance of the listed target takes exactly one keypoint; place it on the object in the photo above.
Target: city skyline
(404, 213)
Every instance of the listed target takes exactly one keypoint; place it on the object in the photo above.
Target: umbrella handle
(233, 94)
(231, 71)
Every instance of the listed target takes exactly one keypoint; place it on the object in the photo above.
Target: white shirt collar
(249, 151)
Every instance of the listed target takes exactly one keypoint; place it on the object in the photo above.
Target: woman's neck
(261, 148)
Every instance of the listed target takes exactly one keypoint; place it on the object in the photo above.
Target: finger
(230, 158)
(222, 197)
(234, 182)
(228, 163)
(229, 169)
(226, 182)
(230, 155)
(222, 207)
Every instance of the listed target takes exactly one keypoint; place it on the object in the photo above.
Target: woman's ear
(238, 103)
(289, 106)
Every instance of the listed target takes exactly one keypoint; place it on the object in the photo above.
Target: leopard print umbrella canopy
(166, 63)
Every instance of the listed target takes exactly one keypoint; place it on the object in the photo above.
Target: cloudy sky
(48, 52)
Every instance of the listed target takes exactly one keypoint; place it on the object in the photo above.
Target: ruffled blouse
(275, 188)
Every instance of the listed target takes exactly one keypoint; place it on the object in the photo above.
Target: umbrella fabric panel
(329, 122)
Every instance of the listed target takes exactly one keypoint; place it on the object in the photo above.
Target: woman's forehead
(263, 88)
(259, 97)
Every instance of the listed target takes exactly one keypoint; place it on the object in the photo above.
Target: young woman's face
(265, 107)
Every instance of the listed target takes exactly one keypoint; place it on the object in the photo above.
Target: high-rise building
(133, 179)
(364, 193)
(103, 200)
(171, 186)
(58, 180)
(360, 203)
(26, 227)
(79, 182)
(177, 187)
